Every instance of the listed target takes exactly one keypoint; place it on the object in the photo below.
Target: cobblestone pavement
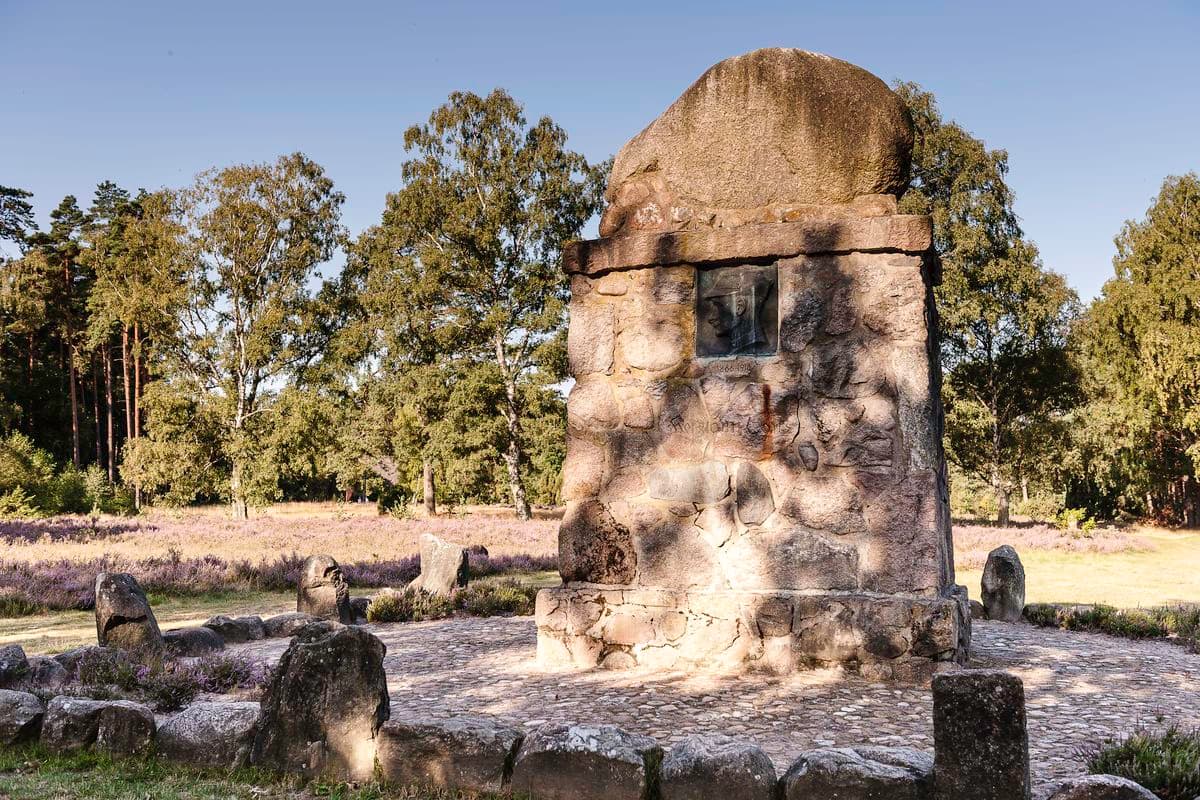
(1079, 687)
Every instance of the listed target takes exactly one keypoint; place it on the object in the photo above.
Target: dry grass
(351, 533)
(1160, 567)
(972, 543)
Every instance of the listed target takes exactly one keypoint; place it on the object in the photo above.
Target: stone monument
(754, 474)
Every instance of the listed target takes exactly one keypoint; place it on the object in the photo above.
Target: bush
(491, 599)
(1166, 763)
(1041, 507)
(18, 503)
(165, 685)
(1181, 623)
(411, 605)
(30, 487)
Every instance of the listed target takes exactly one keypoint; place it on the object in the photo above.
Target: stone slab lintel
(841, 233)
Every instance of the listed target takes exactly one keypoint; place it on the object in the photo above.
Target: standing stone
(123, 615)
(215, 735)
(20, 716)
(323, 590)
(585, 762)
(324, 705)
(860, 773)
(981, 749)
(1004, 585)
(703, 767)
(444, 566)
(466, 753)
(1097, 787)
(14, 666)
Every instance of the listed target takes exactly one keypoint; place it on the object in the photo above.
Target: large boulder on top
(1004, 585)
(444, 566)
(324, 705)
(773, 128)
(234, 630)
(123, 615)
(323, 591)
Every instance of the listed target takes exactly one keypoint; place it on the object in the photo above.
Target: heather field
(187, 557)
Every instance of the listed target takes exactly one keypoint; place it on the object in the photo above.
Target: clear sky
(1095, 101)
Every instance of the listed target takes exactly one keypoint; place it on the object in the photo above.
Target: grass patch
(33, 773)
(1178, 623)
(1166, 763)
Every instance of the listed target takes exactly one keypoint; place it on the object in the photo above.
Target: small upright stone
(703, 767)
(123, 615)
(585, 762)
(981, 748)
(323, 591)
(1004, 585)
(860, 773)
(444, 566)
(324, 705)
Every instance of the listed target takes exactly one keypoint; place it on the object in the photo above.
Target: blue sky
(1095, 102)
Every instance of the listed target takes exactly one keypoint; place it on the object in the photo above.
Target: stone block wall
(780, 506)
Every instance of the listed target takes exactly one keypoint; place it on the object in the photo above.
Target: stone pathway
(1080, 687)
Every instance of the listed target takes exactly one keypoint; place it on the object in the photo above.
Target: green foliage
(1075, 519)
(488, 202)
(1138, 438)
(1181, 623)
(1004, 318)
(1166, 763)
(411, 605)
(1041, 506)
(30, 486)
(499, 597)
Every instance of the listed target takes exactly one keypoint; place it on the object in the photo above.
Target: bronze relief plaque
(737, 311)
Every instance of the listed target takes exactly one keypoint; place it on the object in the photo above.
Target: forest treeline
(182, 345)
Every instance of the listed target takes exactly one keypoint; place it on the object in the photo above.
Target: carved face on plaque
(737, 311)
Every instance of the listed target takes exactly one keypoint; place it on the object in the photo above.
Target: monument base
(881, 636)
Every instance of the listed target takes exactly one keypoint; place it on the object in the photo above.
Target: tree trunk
(125, 370)
(71, 377)
(428, 488)
(238, 507)
(512, 460)
(96, 411)
(106, 354)
(29, 383)
(1001, 505)
(1024, 489)
(137, 381)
